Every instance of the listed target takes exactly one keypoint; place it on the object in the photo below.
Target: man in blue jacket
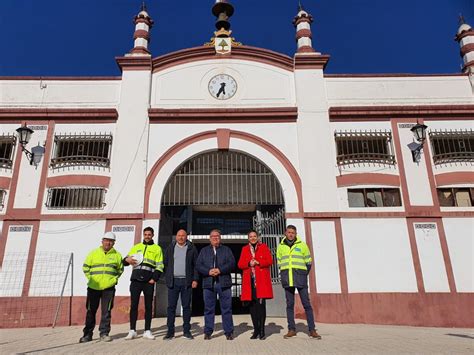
(215, 263)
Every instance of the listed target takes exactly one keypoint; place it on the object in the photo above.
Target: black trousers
(258, 312)
(106, 299)
(136, 288)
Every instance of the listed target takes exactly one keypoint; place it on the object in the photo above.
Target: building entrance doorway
(226, 190)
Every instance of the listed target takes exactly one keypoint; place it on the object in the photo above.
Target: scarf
(253, 250)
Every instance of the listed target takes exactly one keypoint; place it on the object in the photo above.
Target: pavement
(337, 339)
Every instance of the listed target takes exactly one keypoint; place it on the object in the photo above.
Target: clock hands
(221, 90)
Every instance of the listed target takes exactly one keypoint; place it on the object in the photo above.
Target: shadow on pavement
(460, 336)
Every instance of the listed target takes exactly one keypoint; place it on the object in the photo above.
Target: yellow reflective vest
(294, 263)
(152, 262)
(102, 269)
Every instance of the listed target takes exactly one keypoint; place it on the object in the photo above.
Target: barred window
(452, 146)
(374, 197)
(76, 198)
(456, 197)
(2, 199)
(354, 147)
(85, 149)
(7, 146)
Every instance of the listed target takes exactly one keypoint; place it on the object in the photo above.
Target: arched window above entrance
(222, 178)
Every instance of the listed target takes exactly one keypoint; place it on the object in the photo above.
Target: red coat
(262, 272)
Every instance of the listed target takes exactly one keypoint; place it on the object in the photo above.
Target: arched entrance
(225, 189)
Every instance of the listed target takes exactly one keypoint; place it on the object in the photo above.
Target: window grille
(456, 197)
(85, 149)
(354, 147)
(452, 146)
(76, 198)
(2, 199)
(374, 197)
(7, 146)
(222, 177)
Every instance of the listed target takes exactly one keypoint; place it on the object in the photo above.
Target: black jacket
(225, 262)
(191, 259)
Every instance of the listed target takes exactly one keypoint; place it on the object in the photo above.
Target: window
(7, 145)
(456, 197)
(452, 146)
(2, 199)
(364, 147)
(76, 198)
(379, 197)
(88, 149)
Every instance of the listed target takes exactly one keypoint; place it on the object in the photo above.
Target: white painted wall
(378, 256)
(12, 272)
(156, 150)
(325, 263)
(125, 241)
(460, 238)
(433, 269)
(419, 190)
(29, 175)
(421, 90)
(258, 85)
(129, 152)
(78, 237)
(163, 137)
(59, 93)
(315, 142)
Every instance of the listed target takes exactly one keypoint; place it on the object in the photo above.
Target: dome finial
(143, 6)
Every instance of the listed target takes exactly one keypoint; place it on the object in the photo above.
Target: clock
(222, 87)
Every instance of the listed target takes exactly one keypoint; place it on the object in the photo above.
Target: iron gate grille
(452, 146)
(223, 178)
(354, 147)
(271, 228)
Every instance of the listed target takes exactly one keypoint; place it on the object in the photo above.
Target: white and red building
(391, 234)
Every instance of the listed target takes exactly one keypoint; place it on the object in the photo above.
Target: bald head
(181, 237)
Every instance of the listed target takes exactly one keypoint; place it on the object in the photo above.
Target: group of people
(184, 268)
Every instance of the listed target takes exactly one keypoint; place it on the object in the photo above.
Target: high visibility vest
(152, 257)
(102, 269)
(296, 257)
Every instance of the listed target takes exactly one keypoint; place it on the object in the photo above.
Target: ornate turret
(222, 41)
(143, 24)
(465, 37)
(306, 57)
(302, 22)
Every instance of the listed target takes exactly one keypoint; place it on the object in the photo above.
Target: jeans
(136, 288)
(290, 307)
(179, 288)
(106, 299)
(225, 299)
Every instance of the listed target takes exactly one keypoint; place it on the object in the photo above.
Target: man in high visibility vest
(102, 267)
(147, 261)
(294, 261)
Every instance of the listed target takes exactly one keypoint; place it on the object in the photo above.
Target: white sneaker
(147, 335)
(131, 335)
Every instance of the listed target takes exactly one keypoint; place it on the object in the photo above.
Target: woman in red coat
(255, 261)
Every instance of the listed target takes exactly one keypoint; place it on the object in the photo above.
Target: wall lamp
(419, 132)
(37, 152)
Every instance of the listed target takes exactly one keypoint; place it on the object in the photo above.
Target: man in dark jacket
(215, 263)
(181, 277)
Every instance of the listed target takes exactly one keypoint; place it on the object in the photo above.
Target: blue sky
(82, 37)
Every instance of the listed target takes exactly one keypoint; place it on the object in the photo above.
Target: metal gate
(271, 228)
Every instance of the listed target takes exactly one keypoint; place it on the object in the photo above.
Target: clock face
(222, 87)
